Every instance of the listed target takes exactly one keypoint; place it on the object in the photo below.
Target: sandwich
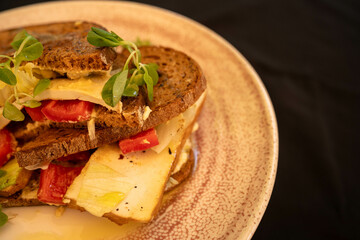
(93, 122)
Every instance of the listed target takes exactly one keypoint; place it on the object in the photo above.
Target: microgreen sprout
(27, 48)
(127, 81)
(3, 217)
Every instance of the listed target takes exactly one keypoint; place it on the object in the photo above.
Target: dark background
(307, 54)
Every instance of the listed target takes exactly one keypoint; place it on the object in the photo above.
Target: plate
(237, 141)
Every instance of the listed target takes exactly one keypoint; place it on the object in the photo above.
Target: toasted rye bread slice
(66, 49)
(182, 174)
(181, 83)
(17, 201)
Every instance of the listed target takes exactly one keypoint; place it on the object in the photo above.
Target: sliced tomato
(68, 110)
(55, 181)
(139, 142)
(7, 146)
(80, 156)
(36, 113)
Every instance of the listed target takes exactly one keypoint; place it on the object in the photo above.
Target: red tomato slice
(68, 110)
(139, 142)
(55, 181)
(80, 156)
(35, 113)
(7, 146)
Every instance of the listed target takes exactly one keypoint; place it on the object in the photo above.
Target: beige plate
(238, 142)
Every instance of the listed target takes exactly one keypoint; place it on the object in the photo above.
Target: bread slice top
(180, 84)
(66, 49)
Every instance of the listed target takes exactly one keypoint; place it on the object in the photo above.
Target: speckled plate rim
(267, 190)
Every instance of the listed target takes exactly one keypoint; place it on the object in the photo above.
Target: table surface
(306, 53)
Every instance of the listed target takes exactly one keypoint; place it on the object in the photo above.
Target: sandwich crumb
(170, 151)
(60, 211)
(147, 112)
(126, 203)
(135, 186)
(77, 23)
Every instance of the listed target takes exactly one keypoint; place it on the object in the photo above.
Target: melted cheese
(146, 173)
(84, 88)
(142, 176)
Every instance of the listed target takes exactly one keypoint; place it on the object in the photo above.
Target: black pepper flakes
(170, 151)
(117, 209)
(121, 157)
(135, 186)
(144, 151)
(126, 203)
(131, 161)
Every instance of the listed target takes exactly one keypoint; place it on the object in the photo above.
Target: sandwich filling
(95, 134)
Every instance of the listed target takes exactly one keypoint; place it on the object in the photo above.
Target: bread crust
(17, 201)
(183, 173)
(66, 49)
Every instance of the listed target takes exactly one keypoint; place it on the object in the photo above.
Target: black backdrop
(307, 54)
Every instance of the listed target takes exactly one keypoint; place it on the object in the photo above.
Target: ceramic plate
(237, 141)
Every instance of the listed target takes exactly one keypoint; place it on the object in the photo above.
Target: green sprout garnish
(3, 217)
(27, 48)
(127, 81)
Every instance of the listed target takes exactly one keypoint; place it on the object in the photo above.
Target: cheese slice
(167, 130)
(85, 89)
(142, 175)
(102, 188)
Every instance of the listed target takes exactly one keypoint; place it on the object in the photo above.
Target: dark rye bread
(17, 201)
(180, 84)
(66, 49)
